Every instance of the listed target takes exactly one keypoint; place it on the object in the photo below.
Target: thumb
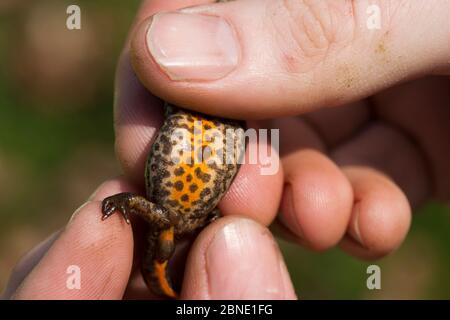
(265, 58)
(236, 258)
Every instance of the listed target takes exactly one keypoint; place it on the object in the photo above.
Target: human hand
(103, 252)
(349, 173)
(336, 185)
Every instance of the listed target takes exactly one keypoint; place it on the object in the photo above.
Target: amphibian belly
(193, 160)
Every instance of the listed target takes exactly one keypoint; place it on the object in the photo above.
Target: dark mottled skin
(181, 196)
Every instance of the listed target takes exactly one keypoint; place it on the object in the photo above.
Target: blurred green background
(56, 147)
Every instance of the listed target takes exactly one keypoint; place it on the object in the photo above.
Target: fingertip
(253, 195)
(221, 264)
(317, 200)
(256, 190)
(98, 253)
(381, 215)
(193, 58)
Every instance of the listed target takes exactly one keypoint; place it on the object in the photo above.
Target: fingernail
(354, 225)
(189, 46)
(243, 262)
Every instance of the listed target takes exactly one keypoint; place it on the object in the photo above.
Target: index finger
(91, 259)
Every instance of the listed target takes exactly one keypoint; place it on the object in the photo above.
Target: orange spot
(160, 271)
(193, 196)
(167, 235)
(189, 158)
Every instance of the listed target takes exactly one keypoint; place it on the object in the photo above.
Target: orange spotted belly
(192, 162)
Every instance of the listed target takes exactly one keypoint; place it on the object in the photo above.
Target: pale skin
(350, 174)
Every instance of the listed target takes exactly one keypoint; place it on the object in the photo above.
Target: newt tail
(155, 264)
